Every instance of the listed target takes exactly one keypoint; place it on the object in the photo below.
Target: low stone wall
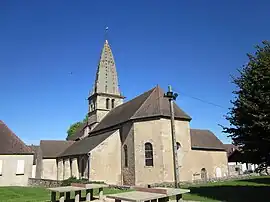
(121, 187)
(227, 178)
(43, 182)
(195, 182)
(54, 183)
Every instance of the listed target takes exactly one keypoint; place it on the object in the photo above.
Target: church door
(203, 174)
(218, 172)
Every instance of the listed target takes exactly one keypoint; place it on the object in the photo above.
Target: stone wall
(234, 169)
(191, 162)
(39, 164)
(121, 187)
(105, 160)
(196, 182)
(148, 132)
(127, 138)
(43, 182)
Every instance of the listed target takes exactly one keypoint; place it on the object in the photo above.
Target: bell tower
(105, 94)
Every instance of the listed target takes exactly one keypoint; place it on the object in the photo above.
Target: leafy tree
(85, 119)
(74, 127)
(249, 117)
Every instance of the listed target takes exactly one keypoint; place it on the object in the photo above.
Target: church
(130, 143)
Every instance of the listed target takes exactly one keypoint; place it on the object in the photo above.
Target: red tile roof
(11, 143)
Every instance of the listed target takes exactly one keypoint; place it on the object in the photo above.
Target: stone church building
(129, 143)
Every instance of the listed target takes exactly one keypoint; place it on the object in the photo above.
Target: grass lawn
(249, 190)
(37, 194)
(256, 189)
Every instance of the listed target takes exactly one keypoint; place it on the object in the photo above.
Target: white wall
(34, 171)
(49, 169)
(9, 169)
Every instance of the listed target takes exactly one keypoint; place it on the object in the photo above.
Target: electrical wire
(201, 100)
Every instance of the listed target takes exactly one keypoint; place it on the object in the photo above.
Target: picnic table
(67, 190)
(149, 194)
(89, 190)
(77, 188)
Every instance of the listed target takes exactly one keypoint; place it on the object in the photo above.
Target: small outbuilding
(16, 159)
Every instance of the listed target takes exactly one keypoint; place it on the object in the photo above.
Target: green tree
(85, 118)
(249, 117)
(74, 127)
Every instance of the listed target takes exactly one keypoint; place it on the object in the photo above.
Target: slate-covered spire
(106, 76)
(105, 95)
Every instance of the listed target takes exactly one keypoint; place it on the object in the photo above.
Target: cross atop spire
(106, 34)
(106, 76)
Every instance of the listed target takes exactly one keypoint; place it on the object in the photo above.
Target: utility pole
(172, 96)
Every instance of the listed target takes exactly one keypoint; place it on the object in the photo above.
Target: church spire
(105, 94)
(106, 76)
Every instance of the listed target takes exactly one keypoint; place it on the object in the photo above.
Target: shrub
(72, 179)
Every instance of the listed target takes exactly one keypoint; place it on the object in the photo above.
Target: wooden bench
(149, 194)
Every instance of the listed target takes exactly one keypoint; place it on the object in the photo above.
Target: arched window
(112, 103)
(126, 155)
(203, 174)
(148, 148)
(178, 145)
(107, 103)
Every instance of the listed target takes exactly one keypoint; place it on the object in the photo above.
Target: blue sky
(192, 45)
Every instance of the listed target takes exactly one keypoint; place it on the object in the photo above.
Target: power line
(202, 100)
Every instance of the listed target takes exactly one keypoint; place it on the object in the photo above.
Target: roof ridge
(158, 100)
(58, 140)
(201, 129)
(153, 89)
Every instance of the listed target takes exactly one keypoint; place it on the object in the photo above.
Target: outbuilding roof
(85, 145)
(11, 143)
(205, 140)
(53, 148)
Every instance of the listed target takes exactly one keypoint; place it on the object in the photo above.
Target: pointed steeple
(106, 76)
(105, 95)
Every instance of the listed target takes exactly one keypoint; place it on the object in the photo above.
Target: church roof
(147, 105)
(85, 145)
(230, 148)
(205, 139)
(11, 143)
(200, 140)
(53, 148)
